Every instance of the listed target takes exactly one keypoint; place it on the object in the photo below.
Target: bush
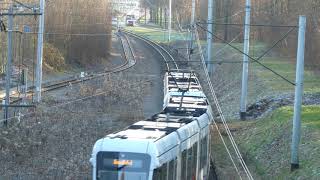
(53, 57)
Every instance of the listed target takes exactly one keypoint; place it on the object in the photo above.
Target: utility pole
(298, 95)
(209, 36)
(24, 87)
(40, 52)
(193, 14)
(145, 15)
(9, 64)
(170, 20)
(6, 103)
(246, 48)
(226, 19)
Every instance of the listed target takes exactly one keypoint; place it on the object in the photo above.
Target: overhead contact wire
(234, 145)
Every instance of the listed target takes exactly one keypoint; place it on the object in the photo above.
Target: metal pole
(193, 15)
(170, 20)
(9, 63)
(209, 35)
(191, 29)
(244, 91)
(298, 95)
(24, 85)
(40, 52)
(145, 16)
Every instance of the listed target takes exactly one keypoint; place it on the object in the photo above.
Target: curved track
(130, 61)
(167, 57)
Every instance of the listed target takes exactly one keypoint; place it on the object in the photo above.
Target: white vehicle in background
(130, 20)
(114, 21)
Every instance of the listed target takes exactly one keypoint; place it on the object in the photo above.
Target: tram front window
(122, 166)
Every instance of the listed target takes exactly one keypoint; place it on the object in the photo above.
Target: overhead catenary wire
(73, 34)
(251, 58)
(215, 123)
(24, 5)
(252, 25)
(224, 47)
(60, 105)
(234, 145)
(276, 43)
(230, 16)
(220, 135)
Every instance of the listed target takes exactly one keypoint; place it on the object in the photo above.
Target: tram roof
(195, 94)
(155, 128)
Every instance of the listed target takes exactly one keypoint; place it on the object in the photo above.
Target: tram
(171, 145)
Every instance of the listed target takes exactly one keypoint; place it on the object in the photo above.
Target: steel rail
(129, 63)
(161, 50)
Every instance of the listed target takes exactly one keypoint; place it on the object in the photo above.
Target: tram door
(189, 163)
(166, 172)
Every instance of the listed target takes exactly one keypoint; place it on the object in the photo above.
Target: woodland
(264, 12)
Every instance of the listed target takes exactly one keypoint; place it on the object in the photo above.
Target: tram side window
(160, 173)
(204, 151)
(172, 170)
(156, 174)
(192, 162)
(163, 172)
(184, 165)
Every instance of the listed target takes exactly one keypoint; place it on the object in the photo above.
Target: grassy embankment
(265, 143)
(157, 34)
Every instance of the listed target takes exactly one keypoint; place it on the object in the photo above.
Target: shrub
(53, 57)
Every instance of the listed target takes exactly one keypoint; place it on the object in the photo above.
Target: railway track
(166, 55)
(129, 58)
(130, 61)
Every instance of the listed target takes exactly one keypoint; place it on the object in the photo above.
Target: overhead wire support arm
(216, 102)
(24, 5)
(21, 14)
(275, 44)
(18, 106)
(252, 25)
(253, 59)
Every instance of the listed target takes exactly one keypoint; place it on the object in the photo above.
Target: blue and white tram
(165, 147)
(171, 145)
(181, 80)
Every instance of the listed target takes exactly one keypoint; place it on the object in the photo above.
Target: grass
(284, 66)
(157, 34)
(268, 141)
(286, 69)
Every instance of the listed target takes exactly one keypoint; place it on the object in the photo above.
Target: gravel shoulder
(54, 141)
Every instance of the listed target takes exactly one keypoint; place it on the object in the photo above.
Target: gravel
(54, 141)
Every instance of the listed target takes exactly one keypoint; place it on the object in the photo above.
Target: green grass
(157, 34)
(286, 69)
(284, 66)
(267, 143)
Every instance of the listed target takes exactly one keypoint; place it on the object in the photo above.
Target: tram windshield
(122, 166)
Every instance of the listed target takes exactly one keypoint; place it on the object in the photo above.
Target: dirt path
(150, 65)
